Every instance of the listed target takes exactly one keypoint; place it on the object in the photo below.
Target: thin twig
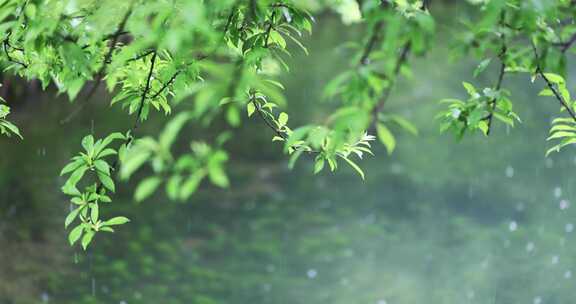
(6, 44)
(269, 29)
(371, 43)
(100, 74)
(145, 91)
(167, 84)
(493, 101)
(566, 45)
(108, 56)
(550, 85)
(400, 61)
(266, 121)
(278, 132)
(402, 58)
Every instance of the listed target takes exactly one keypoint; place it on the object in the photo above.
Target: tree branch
(6, 44)
(107, 59)
(493, 102)
(167, 84)
(108, 56)
(402, 58)
(550, 85)
(269, 29)
(145, 91)
(371, 43)
(565, 46)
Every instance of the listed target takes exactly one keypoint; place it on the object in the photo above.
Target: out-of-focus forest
(440, 221)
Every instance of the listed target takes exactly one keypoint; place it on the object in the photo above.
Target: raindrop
(75, 22)
(569, 227)
(456, 113)
(270, 268)
(470, 294)
(381, 301)
(45, 297)
(42, 151)
(530, 247)
(549, 163)
(123, 302)
(370, 219)
(396, 168)
(557, 192)
(564, 204)
(267, 287)
(344, 281)
(348, 252)
(567, 274)
(509, 172)
(520, 207)
(513, 226)
(325, 204)
(286, 14)
(555, 260)
(189, 225)
(311, 273)
(537, 300)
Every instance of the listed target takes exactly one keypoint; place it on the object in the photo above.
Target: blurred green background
(485, 220)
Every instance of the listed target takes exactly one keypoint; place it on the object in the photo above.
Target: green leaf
(554, 78)
(172, 129)
(107, 152)
(102, 145)
(483, 126)
(119, 220)
(94, 212)
(233, 116)
(250, 108)
(87, 238)
(71, 216)
(88, 144)
(482, 66)
(282, 119)
(546, 92)
(218, 177)
(74, 178)
(102, 166)
(318, 165)
(470, 88)
(106, 181)
(107, 229)
(354, 166)
(72, 166)
(561, 134)
(75, 234)
(386, 137)
(12, 127)
(146, 188)
(278, 39)
(172, 186)
(405, 124)
(133, 160)
(191, 184)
